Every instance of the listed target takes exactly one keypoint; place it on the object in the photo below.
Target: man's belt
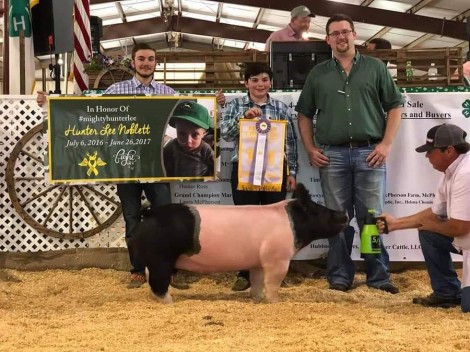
(357, 144)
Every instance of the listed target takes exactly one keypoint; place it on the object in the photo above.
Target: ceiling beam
(120, 11)
(185, 25)
(255, 25)
(132, 29)
(93, 2)
(427, 36)
(464, 15)
(161, 45)
(219, 12)
(366, 2)
(179, 6)
(408, 21)
(419, 6)
(160, 5)
(412, 10)
(412, 22)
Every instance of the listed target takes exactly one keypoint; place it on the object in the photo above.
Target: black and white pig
(221, 238)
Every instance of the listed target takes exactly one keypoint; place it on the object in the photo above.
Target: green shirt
(349, 108)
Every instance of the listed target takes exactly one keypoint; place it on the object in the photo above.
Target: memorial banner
(128, 139)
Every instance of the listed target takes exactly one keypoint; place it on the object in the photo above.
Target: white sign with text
(411, 180)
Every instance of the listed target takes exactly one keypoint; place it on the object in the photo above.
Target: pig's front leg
(158, 277)
(166, 299)
(273, 276)
(257, 284)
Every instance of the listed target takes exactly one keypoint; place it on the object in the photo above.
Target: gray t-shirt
(179, 162)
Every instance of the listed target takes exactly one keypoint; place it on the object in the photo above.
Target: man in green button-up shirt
(358, 109)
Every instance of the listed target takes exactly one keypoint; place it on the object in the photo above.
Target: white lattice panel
(62, 209)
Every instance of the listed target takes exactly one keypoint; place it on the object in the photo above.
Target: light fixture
(60, 61)
(168, 10)
(168, 3)
(175, 38)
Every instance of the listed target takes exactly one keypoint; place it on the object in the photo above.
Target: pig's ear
(302, 195)
(300, 192)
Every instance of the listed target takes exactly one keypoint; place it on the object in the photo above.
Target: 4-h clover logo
(92, 162)
(466, 108)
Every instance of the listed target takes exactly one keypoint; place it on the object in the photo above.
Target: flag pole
(82, 44)
(6, 47)
(56, 74)
(22, 64)
(66, 72)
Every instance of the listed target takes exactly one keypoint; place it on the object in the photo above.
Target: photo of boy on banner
(188, 154)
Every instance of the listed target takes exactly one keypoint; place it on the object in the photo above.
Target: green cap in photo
(192, 112)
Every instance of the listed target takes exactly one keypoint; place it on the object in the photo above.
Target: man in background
(297, 29)
(466, 72)
(466, 69)
(379, 44)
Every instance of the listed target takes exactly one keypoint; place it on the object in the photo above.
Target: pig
(220, 238)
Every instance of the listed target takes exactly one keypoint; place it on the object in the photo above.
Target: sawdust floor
(91, 310)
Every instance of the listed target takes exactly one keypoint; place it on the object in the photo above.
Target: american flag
(82, 44)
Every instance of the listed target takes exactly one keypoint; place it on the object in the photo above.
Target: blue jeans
(130, 195)
(444, 280)
(348, 182)
(436, 251)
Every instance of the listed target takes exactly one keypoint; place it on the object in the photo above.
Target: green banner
(19, 18)
(123, 139)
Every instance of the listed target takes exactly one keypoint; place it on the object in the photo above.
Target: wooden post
(22, 64)
(210, 71)
(43, 71)
(401, 63)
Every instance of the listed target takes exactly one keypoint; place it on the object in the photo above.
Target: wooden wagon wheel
(112, 75)
(62, 211)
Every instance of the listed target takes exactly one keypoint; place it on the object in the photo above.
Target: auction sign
(121, 139)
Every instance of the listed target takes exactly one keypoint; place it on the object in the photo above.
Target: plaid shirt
(274, 110)
(133, 86)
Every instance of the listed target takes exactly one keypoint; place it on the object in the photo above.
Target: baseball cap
(443, 136)
(192, 112)
(301, 11)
